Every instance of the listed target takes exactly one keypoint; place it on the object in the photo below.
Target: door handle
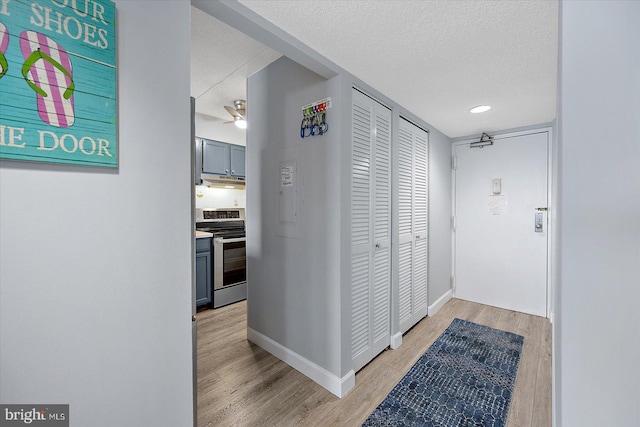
(538, 225)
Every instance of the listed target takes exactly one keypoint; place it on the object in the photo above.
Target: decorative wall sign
(58, 81)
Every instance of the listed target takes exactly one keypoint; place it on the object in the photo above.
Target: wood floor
(239, 384)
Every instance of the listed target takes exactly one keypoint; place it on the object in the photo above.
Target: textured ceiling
(221, 60)
(435, 58)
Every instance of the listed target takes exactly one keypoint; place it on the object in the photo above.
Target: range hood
(222, 181)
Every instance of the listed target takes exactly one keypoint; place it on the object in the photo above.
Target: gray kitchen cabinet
(221, 158)
(215, 157)
(238, 160)
(203, 271)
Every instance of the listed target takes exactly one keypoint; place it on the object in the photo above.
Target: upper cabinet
(221, 158)
(215, 157)
(237, 162)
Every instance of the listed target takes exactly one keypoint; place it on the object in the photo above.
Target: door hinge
(454, 162)
(453, 223)
(453, 282)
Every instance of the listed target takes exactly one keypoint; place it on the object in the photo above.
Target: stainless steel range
(229, 252)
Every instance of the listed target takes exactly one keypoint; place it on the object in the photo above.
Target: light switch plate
(497, 186)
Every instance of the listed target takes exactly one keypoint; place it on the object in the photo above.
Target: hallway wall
(596, 328)
(95, 264)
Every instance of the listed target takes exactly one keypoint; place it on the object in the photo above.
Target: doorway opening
(221, 60)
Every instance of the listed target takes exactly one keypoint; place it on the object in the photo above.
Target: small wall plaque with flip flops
(58, 82)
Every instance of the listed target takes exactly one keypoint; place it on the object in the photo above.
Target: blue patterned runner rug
(465, 378)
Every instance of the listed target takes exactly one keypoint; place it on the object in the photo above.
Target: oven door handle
(223, 240)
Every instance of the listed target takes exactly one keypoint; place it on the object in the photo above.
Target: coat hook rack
(315, 107)
(314, 118)
(484, 140)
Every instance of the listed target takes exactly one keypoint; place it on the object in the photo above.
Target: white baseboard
(440, 302)
(336, 385)
(396, 340)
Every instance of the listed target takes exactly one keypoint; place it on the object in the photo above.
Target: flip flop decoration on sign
(4, 44)
(314, 118)
(47, 70)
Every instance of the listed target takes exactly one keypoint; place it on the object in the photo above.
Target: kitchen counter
(203, 234)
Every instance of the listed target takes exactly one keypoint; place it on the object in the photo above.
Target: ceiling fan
(238, 112)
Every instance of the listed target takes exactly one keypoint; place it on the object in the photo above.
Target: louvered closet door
(412, 226)
(370, 229)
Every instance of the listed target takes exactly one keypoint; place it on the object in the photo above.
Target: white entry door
(500, 223)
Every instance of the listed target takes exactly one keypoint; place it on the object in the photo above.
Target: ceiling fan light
(240, 122)
(480, 109)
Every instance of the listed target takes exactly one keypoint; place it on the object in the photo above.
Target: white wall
(293, 269)
(95, 306)
(214, 197)
(439, 216)
(597, 315)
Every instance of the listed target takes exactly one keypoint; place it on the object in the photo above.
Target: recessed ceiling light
(480, 109)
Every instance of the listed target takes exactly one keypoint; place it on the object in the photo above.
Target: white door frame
(551, 212)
